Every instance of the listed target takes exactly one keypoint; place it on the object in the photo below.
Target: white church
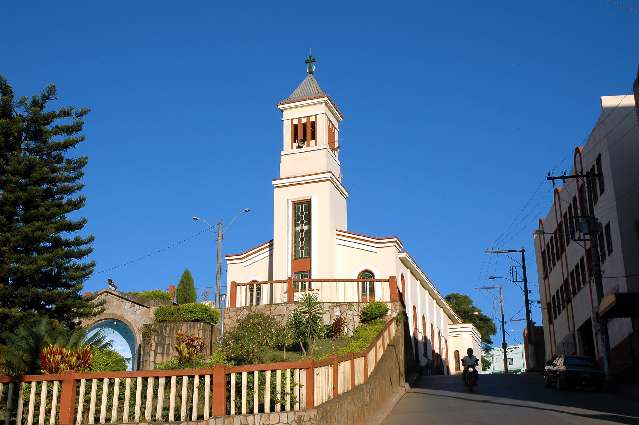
(313, 250)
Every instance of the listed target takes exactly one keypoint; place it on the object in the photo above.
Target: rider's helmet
(469, 351)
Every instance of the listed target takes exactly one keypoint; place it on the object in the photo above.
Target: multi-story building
(565, 257)
(313, 251)
(515, 357)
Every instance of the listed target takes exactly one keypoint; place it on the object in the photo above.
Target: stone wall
(349, 311)
(159, 340)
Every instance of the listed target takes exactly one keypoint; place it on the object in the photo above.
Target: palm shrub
(373, 311)
(22, 350)
(305, 322)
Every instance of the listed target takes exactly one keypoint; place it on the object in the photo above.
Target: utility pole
(220, 237)
(218, 271)
(504, 344)
(593, 229)
(529, 326)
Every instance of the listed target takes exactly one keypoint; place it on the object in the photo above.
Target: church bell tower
(309, 198)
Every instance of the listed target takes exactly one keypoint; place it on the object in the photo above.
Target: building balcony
(242, 294)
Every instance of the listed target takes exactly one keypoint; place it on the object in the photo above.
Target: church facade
(312, 249)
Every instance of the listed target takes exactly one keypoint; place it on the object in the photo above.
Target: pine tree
(41, 251)
(185, 292)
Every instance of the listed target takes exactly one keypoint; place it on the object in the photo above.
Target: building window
(301, 286)
(595, 192)
(571, 220)
(566, 229)
(582, 201)
(608, 238)
(602, 247)
(600, 179)
(510, 361)
(544, 265)
(255, 294)
(549, 311)
(554, 307)
(577, 274)
(573, 284)
(582, 266)
(302, 230)
(366, 285)
(560, 300)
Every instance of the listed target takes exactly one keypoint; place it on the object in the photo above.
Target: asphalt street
(508, 400)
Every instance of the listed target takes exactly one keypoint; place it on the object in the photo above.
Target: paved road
(507, 400)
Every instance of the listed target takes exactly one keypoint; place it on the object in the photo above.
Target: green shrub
(362, 337)
(373, 311)
(105, 360)
(191, 312)
(185, 292)
(157, 295)
(305, 322)
(251, 338)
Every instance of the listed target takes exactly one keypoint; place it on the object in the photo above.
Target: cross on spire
(310, 64)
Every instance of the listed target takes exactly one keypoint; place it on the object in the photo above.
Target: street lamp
(220, 236)
(504, 345)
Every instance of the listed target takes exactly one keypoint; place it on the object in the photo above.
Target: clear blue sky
(454, 113)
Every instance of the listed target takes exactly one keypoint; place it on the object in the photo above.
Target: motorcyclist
(468, 362)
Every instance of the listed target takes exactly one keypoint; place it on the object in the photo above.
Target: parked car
(573, 371)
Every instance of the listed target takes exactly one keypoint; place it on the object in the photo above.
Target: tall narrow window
(573, 284)
(578, 280)
(600, 179)
(571, 222)
(302, 230)
(608, 238)
(554, 307)
(549, 312)
(567, 228)
(544, 264)
(301, 261)
(366, 285)
(594, 192)
(602, 247)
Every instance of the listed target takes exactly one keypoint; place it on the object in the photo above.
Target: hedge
(158, 295)
(191, 312)
(373, 311)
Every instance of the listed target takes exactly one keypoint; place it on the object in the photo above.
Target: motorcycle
(470, 378)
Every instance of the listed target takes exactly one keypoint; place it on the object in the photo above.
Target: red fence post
(219, 390)
(67, 401)
(290, 294)
(310, 386)
(392, 284)
(233, 300)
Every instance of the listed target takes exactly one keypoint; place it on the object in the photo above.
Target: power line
(154, 252)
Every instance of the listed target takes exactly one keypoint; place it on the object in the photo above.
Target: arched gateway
(121, 322)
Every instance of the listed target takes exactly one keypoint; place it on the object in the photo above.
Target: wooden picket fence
(185, 395)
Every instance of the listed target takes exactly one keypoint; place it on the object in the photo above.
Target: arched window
(457, 361)
(366, 285)
(424, 341)
(403, 280)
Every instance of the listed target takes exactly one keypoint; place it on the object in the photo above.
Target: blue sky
(454, 112)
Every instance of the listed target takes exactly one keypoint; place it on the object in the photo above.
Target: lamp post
(522, 251)
(220, 237)
(504, 345)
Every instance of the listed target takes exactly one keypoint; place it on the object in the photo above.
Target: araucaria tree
(185, 292)
(42, 250)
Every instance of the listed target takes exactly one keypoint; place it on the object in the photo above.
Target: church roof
(309, 89)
